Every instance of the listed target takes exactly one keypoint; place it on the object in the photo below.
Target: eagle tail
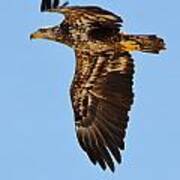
(144, 43)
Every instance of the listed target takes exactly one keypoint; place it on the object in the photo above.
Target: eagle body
(101, 91)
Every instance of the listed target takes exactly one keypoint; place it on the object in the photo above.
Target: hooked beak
(36, 35)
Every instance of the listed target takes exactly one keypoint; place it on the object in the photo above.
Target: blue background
(37, 137)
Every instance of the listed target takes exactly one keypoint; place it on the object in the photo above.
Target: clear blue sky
(37, 137)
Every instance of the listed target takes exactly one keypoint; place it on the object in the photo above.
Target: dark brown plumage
(48, 4)
(101, 91)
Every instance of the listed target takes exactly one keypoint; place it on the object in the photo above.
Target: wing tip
(50, 4)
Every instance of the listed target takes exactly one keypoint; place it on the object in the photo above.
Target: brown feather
(106, 96)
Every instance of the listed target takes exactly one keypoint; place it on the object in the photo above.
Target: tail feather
(144, 43)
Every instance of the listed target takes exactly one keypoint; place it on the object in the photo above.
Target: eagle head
(52, 33)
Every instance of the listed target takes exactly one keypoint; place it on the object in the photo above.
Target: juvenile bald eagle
(101, 91)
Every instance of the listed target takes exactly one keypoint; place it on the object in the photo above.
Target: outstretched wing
(82, 17)
(102, 95)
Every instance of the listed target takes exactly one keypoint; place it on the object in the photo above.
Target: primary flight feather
(101, 91)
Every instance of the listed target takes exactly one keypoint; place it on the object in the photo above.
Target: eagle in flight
(101, 91)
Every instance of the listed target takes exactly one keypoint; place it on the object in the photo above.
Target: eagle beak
(36, 35)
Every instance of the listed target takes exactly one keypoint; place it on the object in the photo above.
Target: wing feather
(89, 12)
(101, 98)
(48, 4)
(97, 22)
